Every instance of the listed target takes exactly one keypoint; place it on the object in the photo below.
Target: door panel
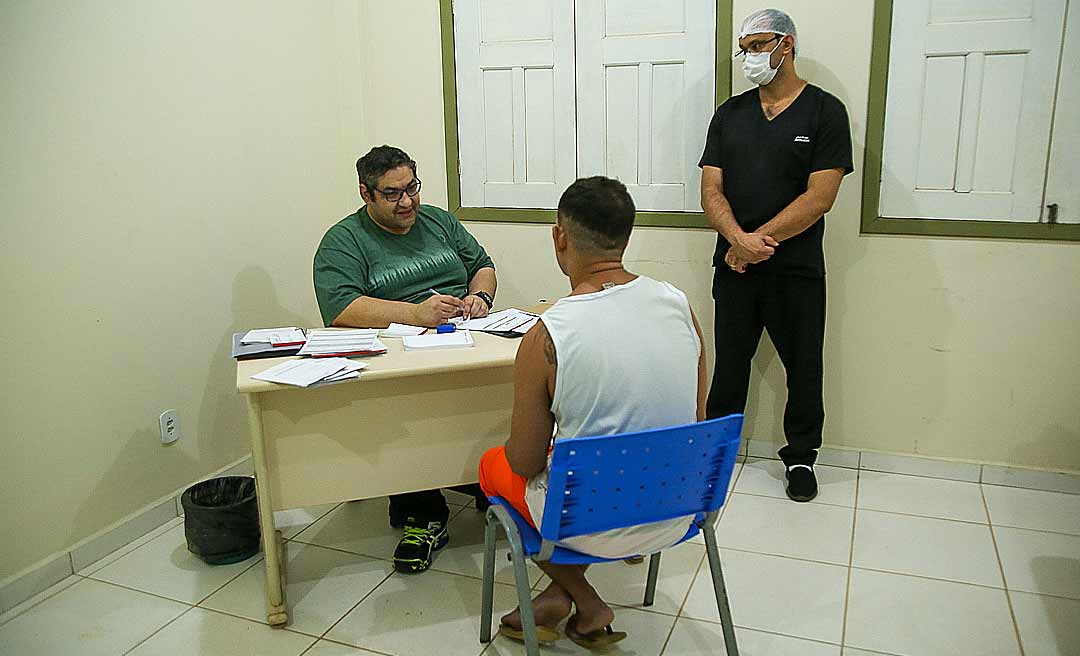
(967, 123)
(646, 77)
(515, 83)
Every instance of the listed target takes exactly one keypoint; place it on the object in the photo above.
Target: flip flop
(545, 635)
(598, 639)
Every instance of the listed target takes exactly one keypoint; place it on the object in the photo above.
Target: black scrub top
(767, 165)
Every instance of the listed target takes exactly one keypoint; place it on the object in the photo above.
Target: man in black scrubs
(773, 162)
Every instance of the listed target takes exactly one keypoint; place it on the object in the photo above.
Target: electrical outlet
(169, 422)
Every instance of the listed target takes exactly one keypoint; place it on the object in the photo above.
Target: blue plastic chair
(614, 481)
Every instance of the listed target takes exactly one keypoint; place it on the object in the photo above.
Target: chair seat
(531, 540)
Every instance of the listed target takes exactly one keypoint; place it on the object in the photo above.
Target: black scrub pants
(420, 508)
(792, 309)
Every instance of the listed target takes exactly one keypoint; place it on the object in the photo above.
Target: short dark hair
(599, 212)
(378, 161)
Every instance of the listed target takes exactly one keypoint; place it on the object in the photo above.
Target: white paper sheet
(510, 320)
(457, 339)
(276, 336)
(304, 373)
(401, 330)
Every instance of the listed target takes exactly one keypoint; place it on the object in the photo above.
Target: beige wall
(170, 167)
(168, 170)
(955, 348)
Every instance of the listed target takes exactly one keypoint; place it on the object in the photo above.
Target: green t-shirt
(358, 258)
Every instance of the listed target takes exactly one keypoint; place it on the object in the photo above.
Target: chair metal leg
(721, 592)
(489, 577)
(521, 577)
(654, 572)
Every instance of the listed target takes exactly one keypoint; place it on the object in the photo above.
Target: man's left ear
(558, 236)
(789, 45)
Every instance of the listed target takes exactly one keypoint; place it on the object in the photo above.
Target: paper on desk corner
(306, 372)
(286, 335)
(509, 320)
(456, 339)
(401, 330)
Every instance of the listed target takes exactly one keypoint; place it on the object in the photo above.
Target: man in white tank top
(622, 353)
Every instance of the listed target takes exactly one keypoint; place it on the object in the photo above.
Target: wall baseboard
(42, 575)
(1067, 482)
(49, 571)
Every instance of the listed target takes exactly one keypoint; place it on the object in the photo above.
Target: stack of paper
(336, 342)
(504, 321)
(458, 339)
(305, 373)
(290, 336)
(242, 351)
(401, 330)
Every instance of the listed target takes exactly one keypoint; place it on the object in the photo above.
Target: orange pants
(498, 480)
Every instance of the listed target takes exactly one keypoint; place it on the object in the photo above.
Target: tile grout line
(145, 592)
(1001, 570)
(944, 519)
(354, 606)
(777, 555)
(157, 631)
(815, 502)
(671, 631)
(318, 519)
(345, 644)
(1036, 530)
(880, 571)
(693, 580)
(768, 631)
(365, 597)
(259, 561)
(226, 613)
(41, 601)
(851, 559)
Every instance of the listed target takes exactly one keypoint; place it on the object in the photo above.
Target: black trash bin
(221, 519)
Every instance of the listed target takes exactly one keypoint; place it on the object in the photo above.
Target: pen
(435, 293)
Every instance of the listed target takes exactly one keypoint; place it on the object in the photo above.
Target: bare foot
(593, 617)
(549, 608)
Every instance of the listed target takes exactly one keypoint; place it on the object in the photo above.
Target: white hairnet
(770, 20)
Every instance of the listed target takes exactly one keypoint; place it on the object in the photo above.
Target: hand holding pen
(437, 309)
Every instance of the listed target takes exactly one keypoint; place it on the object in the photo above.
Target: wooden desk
(414, 420)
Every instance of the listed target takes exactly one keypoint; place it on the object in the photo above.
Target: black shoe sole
(799, 498)
(795, 497)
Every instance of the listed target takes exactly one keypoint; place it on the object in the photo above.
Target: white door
(515, 86)
(969, 107)
(1062, 189)
(645, 80)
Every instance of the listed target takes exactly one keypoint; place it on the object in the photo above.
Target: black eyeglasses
(756, 47)
(394, 195)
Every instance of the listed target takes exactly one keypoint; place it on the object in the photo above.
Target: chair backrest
(611, 481)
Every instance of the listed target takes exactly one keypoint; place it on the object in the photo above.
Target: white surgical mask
(756, 66)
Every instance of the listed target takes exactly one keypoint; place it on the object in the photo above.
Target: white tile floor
(878, 564)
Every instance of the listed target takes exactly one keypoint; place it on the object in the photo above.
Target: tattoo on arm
(549, 349)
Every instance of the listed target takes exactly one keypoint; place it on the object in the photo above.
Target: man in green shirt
(397, 261)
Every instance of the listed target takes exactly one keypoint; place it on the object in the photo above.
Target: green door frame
(872, 223)
(514, 215)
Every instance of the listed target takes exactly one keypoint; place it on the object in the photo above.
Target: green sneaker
(418, 545)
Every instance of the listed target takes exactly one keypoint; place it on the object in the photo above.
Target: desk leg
(277, 614)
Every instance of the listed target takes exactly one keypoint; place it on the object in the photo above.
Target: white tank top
(627, 361)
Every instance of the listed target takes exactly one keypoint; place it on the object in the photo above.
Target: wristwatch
(485, 297)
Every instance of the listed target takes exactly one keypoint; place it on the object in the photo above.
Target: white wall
(170, 167)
